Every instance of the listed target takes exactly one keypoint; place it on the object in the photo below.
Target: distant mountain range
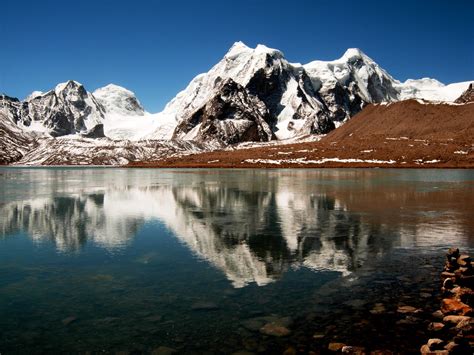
(251, 95)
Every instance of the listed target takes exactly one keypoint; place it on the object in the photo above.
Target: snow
(431, 89)
(118, 101)
(353, 64)
(33, 95)
(320, 161)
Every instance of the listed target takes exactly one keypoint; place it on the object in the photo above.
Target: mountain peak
(264, 49)
(118, 101)
(355, 53)
(239, 48)
(70, 84)
(113, 88)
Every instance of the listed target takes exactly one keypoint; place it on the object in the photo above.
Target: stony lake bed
(226, 261)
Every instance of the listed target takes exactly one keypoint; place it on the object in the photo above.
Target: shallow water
(198, 260)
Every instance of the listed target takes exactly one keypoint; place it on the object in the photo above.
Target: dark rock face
(68, 109)
(269, 84)
(14, 143)
(467, 96)
(233, 115)
(10, 106)
(95, 132)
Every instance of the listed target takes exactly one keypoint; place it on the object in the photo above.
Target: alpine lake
(196, 261)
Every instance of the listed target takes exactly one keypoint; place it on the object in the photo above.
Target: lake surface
(128, 260)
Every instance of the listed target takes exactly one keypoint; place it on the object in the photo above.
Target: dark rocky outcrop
(14, 142)
(233, 115)
(95, 132)
(467, 96)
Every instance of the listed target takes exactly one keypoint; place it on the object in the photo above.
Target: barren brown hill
(404, 134)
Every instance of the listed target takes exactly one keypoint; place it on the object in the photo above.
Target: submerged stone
(336, 346)
(69, 320)
(435, 326)
(275, 329)
(407, 309)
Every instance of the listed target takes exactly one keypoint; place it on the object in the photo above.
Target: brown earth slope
(404, 134)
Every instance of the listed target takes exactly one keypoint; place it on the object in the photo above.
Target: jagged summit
(239, 48)
(354, 53)
(68, 85)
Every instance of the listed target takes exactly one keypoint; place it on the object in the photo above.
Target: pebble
(466, 325)
(69, 320)
(353, 350)
(407, 309)
(435, 344)
(336, 346)
(435, 326)
(379, 308)
(454, 319)
(318, 336)
(453, 306)
(275, 329)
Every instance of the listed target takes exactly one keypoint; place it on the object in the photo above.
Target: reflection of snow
(253, 229)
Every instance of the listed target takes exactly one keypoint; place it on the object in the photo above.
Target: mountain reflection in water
(252, 225)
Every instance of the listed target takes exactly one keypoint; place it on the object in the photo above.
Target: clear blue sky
(155, 48)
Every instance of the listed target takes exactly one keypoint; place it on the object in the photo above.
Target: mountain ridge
(298, 96)
(251, 95)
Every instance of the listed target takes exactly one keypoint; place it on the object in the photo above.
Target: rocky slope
(73, 150)
(232, 116)
(14, 142)
(467, 96)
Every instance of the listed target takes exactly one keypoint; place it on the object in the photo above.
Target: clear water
(109, 260)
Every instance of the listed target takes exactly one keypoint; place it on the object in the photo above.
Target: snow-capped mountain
(430, 89)
(285, 89)
(68, 109)
(301, 99)
(348, 83)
